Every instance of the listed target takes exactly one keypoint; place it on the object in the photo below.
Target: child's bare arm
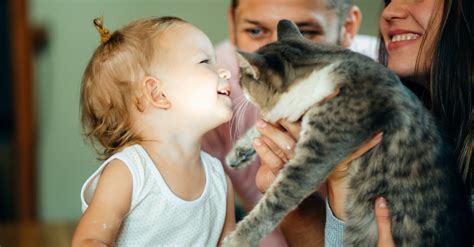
(101, 221)
(229, 224)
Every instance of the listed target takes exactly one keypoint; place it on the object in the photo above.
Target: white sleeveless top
(158, 217)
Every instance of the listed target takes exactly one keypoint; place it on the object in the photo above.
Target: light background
(64, 159)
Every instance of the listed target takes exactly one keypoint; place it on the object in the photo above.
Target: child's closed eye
(207, 61)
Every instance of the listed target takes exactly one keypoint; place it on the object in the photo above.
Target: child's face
(196, 87)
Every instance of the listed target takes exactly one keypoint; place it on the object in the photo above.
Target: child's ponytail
(104, 32)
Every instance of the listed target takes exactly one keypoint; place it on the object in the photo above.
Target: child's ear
(155, 94)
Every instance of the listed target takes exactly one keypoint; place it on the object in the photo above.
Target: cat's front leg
(234, 240)
(316, 154)
(295, 182)
(243, 153)
(298, 179)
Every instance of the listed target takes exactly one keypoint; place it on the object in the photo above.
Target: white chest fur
(304, 94)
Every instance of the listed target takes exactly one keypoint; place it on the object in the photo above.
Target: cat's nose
(224, 74)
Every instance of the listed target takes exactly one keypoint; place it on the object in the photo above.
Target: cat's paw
(240, 157)
(234, 240)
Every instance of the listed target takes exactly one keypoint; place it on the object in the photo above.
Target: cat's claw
(240, 157)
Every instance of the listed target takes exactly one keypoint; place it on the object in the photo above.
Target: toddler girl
(149, 93)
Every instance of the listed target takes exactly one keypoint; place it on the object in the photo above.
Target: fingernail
(261, 124)
(378, 136)
(381, 203)
(257, 142)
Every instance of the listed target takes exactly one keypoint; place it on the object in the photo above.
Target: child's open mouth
(225, 92)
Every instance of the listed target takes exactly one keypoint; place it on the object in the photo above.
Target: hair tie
(104, 32)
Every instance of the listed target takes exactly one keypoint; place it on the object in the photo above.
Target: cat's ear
(287, 29)
(249, 62)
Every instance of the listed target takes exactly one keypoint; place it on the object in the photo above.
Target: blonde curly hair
(110, 80)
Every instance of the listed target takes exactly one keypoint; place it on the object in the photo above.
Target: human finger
(284, 156)
(292, 128)
(283, 140)
(366, 146)
(340, 171)
(267, 157)
(264, 177)
(383, 219)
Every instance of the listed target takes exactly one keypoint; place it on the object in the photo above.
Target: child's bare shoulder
(114, 188)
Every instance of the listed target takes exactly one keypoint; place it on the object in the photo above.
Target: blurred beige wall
(65, 160)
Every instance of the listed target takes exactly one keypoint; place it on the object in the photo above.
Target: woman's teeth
(404, 37)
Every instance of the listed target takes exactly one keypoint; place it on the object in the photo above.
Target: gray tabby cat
(411, 167)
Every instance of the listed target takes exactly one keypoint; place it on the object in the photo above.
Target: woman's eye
(205, 61)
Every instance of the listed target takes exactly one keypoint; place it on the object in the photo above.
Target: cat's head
(273, 69)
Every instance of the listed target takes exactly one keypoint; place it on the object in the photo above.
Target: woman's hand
(337, 182)
(383, 219)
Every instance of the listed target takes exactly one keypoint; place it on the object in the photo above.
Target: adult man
(252, 24)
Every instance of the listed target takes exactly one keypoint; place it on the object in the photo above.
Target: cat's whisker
(234, 120)
(235, 108)
(241, 120)
(239, 117)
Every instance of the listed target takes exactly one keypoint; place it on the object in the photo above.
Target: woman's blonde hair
(110, 80)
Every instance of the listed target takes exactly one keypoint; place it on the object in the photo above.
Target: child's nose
(224, 73)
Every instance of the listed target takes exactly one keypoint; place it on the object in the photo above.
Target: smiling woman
(429, 44)
(409, 30)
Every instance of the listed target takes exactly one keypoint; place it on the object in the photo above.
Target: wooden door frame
(24, 114)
